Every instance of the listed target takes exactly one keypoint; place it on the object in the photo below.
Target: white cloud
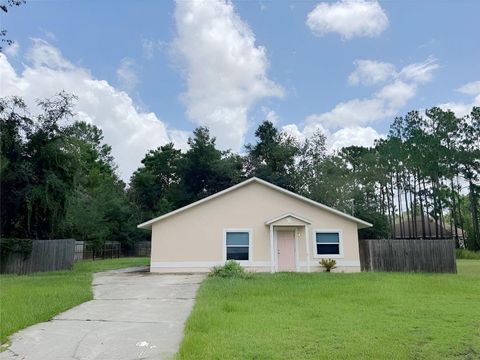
(41, 54)
(349, 18)
(382, 104)
(420, 72)
(347, 123)
(355, 135)
(398, 88)
(129, 131)
(225, 70)
(370, 72)
(396, 94)
(270, 115)
(293, 131)
(352, 112)
(12, 50)
(308, 131)
(462, 108)
(126, 74)
(471, 88)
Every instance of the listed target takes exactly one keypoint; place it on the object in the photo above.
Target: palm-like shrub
(328, 264)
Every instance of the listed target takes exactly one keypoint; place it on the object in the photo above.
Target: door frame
(275, 244)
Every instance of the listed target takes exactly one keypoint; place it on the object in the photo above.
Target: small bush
(231, 269)
(467, 254)
(13, 245)
(328, 264)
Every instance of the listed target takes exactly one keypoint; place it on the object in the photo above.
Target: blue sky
(149, 72)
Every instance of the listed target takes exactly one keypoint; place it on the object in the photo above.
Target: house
(261, 225)
(415, 230)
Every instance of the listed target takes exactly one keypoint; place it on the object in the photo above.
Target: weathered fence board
(408, 255)
(46, 255)
(79, 245)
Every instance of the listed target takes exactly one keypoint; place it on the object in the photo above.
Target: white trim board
(203, 264)
(270, 222)
(342, 263)
(210, 264)
(360, 223)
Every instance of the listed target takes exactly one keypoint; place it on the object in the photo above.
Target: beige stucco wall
(193, 240)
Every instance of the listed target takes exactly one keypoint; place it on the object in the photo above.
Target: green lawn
(30, 299)
(338, 316)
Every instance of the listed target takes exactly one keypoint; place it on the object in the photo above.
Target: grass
(337, 316)
(467, 254)
(30, 299)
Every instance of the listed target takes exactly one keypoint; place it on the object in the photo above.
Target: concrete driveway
(134, 315)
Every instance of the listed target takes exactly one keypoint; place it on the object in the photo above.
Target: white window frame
(250, 243)
(340, 244)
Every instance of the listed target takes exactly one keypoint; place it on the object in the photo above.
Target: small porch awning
(288, 219)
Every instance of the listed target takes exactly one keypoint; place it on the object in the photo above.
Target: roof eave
(361, 224)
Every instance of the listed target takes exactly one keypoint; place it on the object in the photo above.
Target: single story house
(261, 225)
(433, 230)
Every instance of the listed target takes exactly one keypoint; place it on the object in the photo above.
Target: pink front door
(286, 250)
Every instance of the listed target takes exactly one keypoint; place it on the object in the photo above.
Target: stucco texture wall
(193, 240)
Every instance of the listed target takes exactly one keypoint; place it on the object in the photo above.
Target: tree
(469, 159)
(58, 179)
(52, 168)
(98, 209)
(3, 32)
(154, 187)
(311, 155)
(205, 170)
(15, 172)
(272, 158)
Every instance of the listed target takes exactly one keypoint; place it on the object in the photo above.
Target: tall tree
(98, 209)
(154, 187)
(469, 158)
(273, 157)
(205, 169)
(15, 172)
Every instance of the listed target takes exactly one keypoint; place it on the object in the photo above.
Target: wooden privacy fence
(408, 255)
(46, 255)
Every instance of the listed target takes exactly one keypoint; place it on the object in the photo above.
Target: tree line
(58, 177)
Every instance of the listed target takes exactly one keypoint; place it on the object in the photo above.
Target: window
(328, 243)
(237, 245)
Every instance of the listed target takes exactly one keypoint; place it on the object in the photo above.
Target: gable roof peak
(361, 223)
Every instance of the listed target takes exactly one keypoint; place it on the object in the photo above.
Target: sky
(149, 72)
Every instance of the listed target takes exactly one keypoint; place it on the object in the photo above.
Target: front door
(286, 250)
